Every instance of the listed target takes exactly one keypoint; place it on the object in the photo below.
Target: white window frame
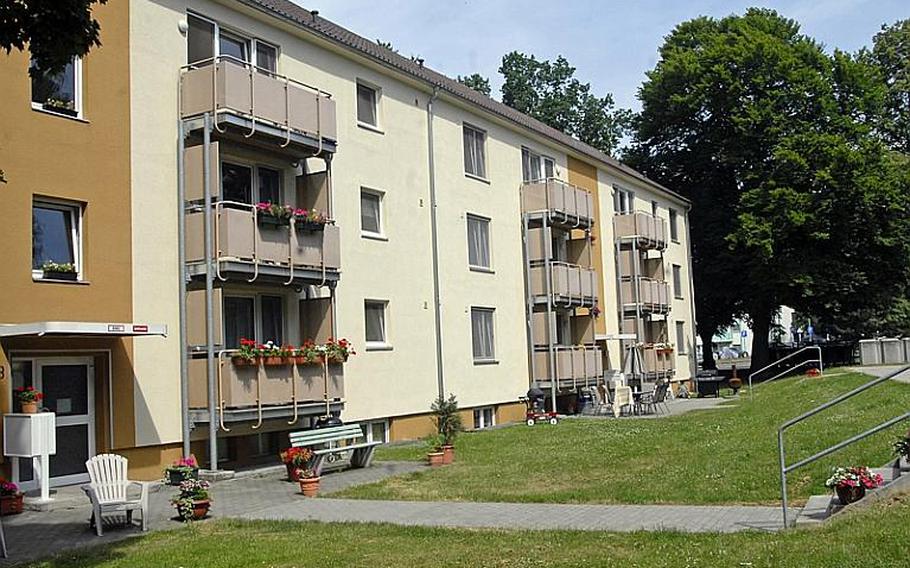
(77, 93)
(384, 344)
(483, 176)
(377, 106)
(489, 222)
(77, 212)
(543, 160)
(479, 412)
(251, 41)
(674, 225)
(623, 201)
(676, 273)
(381, 235)
(492, 358)
(368, 431)
(257, 314)
(254, 182)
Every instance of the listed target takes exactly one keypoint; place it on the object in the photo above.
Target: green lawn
(725, 455)
(874, 537)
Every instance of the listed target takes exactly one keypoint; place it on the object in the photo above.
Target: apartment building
(469, 250)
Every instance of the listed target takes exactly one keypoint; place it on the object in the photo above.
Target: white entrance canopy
(81, 328)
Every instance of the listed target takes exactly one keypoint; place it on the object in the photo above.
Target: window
(484, 418)
(56, 235)
(563, 328)
(680, 337)
(233, 46)
(266, 56)
(239, 320)
(269, 185)
(623, 201)
(674, 228)
(371, 212)
(482, 334)
(474, 152)
(271, 318)
(374, 314)
(367, 105)
(59, 92)
(200, 39)
(677, 281)
(237, 184)
(376, 431)
(204, 37)
(654, 208)
(478, 242)
(535, 167)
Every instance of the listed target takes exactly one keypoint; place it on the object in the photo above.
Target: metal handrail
(785, 469)
(236, 60)
(821, 365)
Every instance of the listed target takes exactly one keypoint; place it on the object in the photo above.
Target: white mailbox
(29, 435)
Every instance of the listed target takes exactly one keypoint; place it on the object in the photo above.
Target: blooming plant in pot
(307, 354)
(850, 483)
(271, 214)
(435, 453)
(338, 350)
(181, 470)
(248, 354)
(10, 498)
(448, 424)
(59, 271)
(273, 355)
(29, 399)
(193, 502)
(309, 482)
(295, 460)
(310, 220)
(902, 447)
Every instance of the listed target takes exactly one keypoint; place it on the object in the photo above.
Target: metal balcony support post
(551, 317)
(529, 296)
(209, 294)
(181, 254)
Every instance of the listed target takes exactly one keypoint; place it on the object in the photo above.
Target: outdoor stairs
(819, 508)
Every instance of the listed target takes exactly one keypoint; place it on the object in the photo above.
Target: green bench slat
(345, 448)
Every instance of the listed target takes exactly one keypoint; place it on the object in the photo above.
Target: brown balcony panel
(573, 364)
(243, 91)
(569, 281)
(646, 230)
(652, 295)
(239, 384)
(565, 202)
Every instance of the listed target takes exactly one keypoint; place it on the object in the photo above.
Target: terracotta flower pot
(849, 495)
(436, 459)
(243, 361)
(448, 454)
(309, 486)
(274, 361)
(11, 504)
(300, 360)
(29, 407)
(201, 509)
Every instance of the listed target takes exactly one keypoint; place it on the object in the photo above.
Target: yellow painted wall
(584, 175)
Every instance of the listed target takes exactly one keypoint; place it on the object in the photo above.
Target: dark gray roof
(318, 25)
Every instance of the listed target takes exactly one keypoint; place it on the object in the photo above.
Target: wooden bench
(330, 444)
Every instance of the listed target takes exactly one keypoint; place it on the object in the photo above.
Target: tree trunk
(707, 349)
(761, 327)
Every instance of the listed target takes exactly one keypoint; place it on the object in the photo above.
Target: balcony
(575, 366)
(562, 203)
(651, 296)
(275, 390)
(572, 285)
(247, 248)
(580, 329)
(251, 102)
(646, 231)
(659, 362)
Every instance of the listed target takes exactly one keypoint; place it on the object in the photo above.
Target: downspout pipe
(434, 240)
(693, 361)
(181, 253)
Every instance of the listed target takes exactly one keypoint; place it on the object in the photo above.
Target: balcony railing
(646, 230)
(563, 202)
(575, 365)
(264, 100)
(241, 236)
(658, 362)
(653, 295)
(571, 284)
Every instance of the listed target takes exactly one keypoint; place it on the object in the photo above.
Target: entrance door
(68, 387)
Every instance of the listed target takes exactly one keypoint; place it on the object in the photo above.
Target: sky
(612, 44)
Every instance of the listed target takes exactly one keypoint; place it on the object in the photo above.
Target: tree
(549, 92)
(891, 55)
(795, 201)
(477, 82)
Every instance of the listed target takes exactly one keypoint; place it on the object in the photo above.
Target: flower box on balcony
(271, 221)
(309, 226)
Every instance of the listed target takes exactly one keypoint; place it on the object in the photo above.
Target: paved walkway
(882, 370)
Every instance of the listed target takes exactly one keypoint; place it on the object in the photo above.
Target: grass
(877, 536)
(725, 455)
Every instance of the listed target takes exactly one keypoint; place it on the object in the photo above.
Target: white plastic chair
(621, 399)
(108, 490)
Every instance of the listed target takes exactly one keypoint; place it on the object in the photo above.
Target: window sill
(674, 241)
(477, 178)
(486, 362)
(370, 127)
(57, 281)
(378, 347)
(678, 298)
(41, 109)
(481, 269)
(374, 236)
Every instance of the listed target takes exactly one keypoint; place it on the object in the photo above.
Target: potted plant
(59, 271)
(309, 220)
(193, 502)
(181, 470)
(247, 355)
(902, 449)
(448, 424)
(29, 399)
(309, 482)
(62, 106)
(338, 350)
(306, 354)
(10, 498)
(295, 460)
(273, 355)
(850, 483)
(435, 455)
(272, 215)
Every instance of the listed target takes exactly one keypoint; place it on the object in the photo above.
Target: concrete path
(530, 516)
(882, 370)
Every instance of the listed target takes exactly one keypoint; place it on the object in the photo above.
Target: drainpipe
(693, 358)
(209, 294)
(181, 252)
(437, 303)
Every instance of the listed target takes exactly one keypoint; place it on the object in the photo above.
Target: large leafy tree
(549, 92)
(477, 82)
(794, 200)
(890, 53)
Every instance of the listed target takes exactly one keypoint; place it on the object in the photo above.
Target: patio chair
(603, 404)
(653, 399)
(622, 399)
(108, 490)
